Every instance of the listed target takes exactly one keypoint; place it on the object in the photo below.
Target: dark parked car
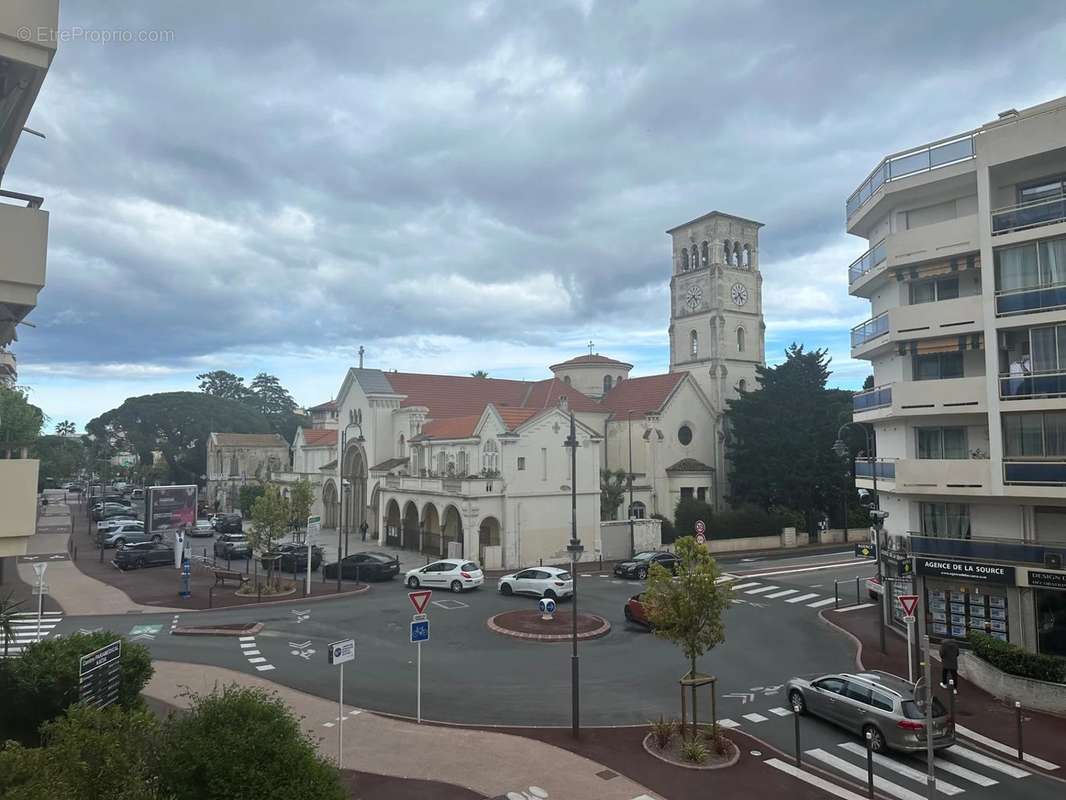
(634, 610)
(640, 564)
(364, 567)
(143, 554)
(232, 545)
(109, 510)
(230, 523)
(294, 557)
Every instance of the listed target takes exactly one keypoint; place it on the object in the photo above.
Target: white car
(203, 528)
(456, 574)
(539, 582)
(114, 522)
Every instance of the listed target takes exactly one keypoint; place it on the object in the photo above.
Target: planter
(672, 755)
(1032, 694)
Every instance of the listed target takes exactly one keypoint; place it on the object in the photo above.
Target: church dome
(593, 375)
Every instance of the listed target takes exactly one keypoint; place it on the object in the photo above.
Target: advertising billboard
(169, 508)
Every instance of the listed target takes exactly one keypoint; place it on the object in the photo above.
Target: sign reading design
(1047, 580)
(969, 570)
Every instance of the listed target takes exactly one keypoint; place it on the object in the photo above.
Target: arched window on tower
(566, 379)
(736, 254)
(401, 448)
(607, 383)
(684, 259)
(727, 251)
(694, 344)
(740, 340)
(743, 385)
(746, 257)
(705, 254)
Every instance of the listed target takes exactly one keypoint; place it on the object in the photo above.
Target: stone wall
(1032, 694)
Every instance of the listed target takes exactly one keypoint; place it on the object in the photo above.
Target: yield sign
(908, 602)
(420, 599)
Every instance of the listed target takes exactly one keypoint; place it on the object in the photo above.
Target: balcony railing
(923, 159)
(883, 469)
(869, 330)
(1022, 387)
(1035, 473)
(1035, 298)
(878, 397)
(871, 259)
(1029, 215)
(984, 548)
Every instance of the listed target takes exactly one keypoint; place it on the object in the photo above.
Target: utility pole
(632, 537)
(575, 549)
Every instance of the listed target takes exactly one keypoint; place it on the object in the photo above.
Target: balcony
(869, 331)
(884, 469)
(1036, 298)
(878, 397)
(923, 159)
(1034, 473)
(1033, 214)
(1032, 387)
(18, 499)
(867, 262)
(920, 398)
(27, 46)
(951, 476)
(24, 234)
(959, 317)
(462, 487)
(984, 548)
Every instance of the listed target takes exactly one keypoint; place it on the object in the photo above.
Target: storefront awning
(947, 344)
(938, 269)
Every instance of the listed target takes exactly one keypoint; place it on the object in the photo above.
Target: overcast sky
(460, 186)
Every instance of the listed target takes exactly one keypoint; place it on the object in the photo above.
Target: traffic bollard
(1018, 714)
(796, 716)
(951, 699)
(836, 595)
(869, 763)
(858, 594)
(227, 563)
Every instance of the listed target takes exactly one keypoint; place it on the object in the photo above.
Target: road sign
(99, 675)
(419, 630)
(342, 651)
(866, 551)
(701, 526)
(700, 538)
(100, 658)
(908, 602)
(420, 600)
(909, 619)
(314, 524)
(419, 617)
(46, 557)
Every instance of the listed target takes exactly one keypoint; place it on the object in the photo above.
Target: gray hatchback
(874, 702)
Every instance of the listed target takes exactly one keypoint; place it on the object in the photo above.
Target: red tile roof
(329, 405)
(464, 427)
(315, 437)
(641, 395)
(448, 396)
(513, 417)
(594, 358)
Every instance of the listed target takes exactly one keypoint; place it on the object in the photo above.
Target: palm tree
(8, 607)
(479, 374)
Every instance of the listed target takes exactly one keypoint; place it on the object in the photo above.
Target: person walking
(363, 529)
(949, 663)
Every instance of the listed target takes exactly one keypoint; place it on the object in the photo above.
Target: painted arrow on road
(303, 649)
(302, 615)
(89, 630)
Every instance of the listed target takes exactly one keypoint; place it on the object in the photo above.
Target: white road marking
(963, 772)
(820, 603)
(726, 579)
(728, 723)
(859, 773)
(251, 652)
(907, 772)
(801, 569)
(745, 585)
(802, 597)
(755, 717)
(247, 644)
(246, 638)
(988, 761)
(264, 667)
(327, 724)
(977, 737)
(781, 712)
(258, 660)
(856, 608)
(813, 780)
(785, 593)
(762, 589)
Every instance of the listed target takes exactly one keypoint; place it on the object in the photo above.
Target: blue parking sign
(420, 631)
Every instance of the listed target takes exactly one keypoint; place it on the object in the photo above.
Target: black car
(232, 545)
(230, 523)
(109, 510)
(294, 557)
(364, 567)
(639, 565)
(143, 554)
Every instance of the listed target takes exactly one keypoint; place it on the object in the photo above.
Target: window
(735, 261)
(743, 385)
(490, 456)
(684, 259)
(684, 435)
(218, 462)
(1031, 265)
(544, 463)
(740, 340)
(945, 520)
(1044, 189)
(937, 366)
(233, 465)
(746, 257)
(460, 463)
(701, 494)
(638, 510)
(704, 254)
(566, 379)
(618, 380)
(521, 463)
(400, 448)
(856, 691)
(686, 492)
(1035, 435)
(606, 383)
(442, 462)
(727, 251)
(882, 701)
(931, 291)
(832, 685)
(942, 443)
(694, 344)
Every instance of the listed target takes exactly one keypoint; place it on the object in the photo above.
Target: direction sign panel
(908, 602)
(99, 676)
(701, 526)
(100, 658)
(342, 651)
(314, 525)
(419, 630)
(420, 599)
(866, 551)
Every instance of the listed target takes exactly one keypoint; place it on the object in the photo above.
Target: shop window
(1050, 621)
(954, 613)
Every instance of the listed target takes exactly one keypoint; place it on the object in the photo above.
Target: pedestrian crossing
(26, 631)
(758, 591)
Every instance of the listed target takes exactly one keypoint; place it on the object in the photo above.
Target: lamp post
(575, 549)
(632, 541)
(342, 528)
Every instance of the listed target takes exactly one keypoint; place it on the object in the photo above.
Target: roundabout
(529, 624)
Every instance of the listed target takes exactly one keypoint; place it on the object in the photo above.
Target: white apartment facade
(965, 272)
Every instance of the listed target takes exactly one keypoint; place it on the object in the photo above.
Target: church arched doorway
(431, 531)
(354, 472)
(392, 523)
(489, 537)
(410, 527)
(452, 531)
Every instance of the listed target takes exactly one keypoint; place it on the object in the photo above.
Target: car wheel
(628, 613)
(506, 590)
(140, 563)
(412, 582)
(550, 594)
(119, 542)
(157, 538)
(877, 739)
(795, 699)
(457, 587)
(642, 573)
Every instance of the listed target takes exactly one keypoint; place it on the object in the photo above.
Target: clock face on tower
(739, 293)
(694, 297)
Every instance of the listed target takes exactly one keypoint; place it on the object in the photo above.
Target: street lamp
(632, 539)
(575, 549)
(355, 419)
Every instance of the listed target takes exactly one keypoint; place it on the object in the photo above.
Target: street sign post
(420, 599)
(909, 602)
(341, 652)
(314, 525)
(700, 538)
(39, 567)
(419, 634)
(99, 675)
(701, 527)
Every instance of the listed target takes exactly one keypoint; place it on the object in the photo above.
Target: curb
(603, 630)
(700, 767)
(191, 630)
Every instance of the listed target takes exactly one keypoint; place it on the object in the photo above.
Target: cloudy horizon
(478, 185)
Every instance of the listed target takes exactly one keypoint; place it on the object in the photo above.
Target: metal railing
(869, 330)
(1031, 298)
(884, 468)
(878, 397)
(1041, 384)
(871, 259)
(1028, 215)
(990, 548)
(31, 200)
(1035, 473)
(923, 159)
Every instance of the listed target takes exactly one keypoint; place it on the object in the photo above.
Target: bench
(222, 575)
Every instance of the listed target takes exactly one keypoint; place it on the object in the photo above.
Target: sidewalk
(1044, 735)
(486, 762)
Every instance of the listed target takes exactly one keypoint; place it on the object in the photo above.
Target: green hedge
(738, 523)
(1015, 661)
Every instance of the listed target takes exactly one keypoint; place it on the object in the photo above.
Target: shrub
(41, 684)
(1015, 661)
(736, 523)
(662, 732)
(694, 750)
(669, 533)
(686, 513)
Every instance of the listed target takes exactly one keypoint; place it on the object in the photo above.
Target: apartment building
(965, 271)
(27, 46)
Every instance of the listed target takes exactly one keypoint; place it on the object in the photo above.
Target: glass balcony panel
(1020, 388)
(867, 468)
(1041, 473)
(1020, 301)
(875, 398)
(908, 165)
(1043, 212)
(951, 151)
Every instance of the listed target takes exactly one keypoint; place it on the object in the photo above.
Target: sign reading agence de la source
(966, 570)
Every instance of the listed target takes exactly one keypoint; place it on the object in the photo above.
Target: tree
(9, 607)
(612, 492)
(301, 498)
(479, 373)
(269, 397)
(868, 383)
(41, 684)
(267, 754)
(687, 609)
(688, 511)
(20, 420)
(60, 456)
(271, 514)
(226, 385)
(65, 428)
(247, 496)
(177, 424)
(781, 438)
(666, 529)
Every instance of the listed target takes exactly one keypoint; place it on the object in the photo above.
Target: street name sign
(314, 525)
(99, 675)
(420, 599)
(866, 551)
(908, 602)
(342, 651)
(419, 630)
